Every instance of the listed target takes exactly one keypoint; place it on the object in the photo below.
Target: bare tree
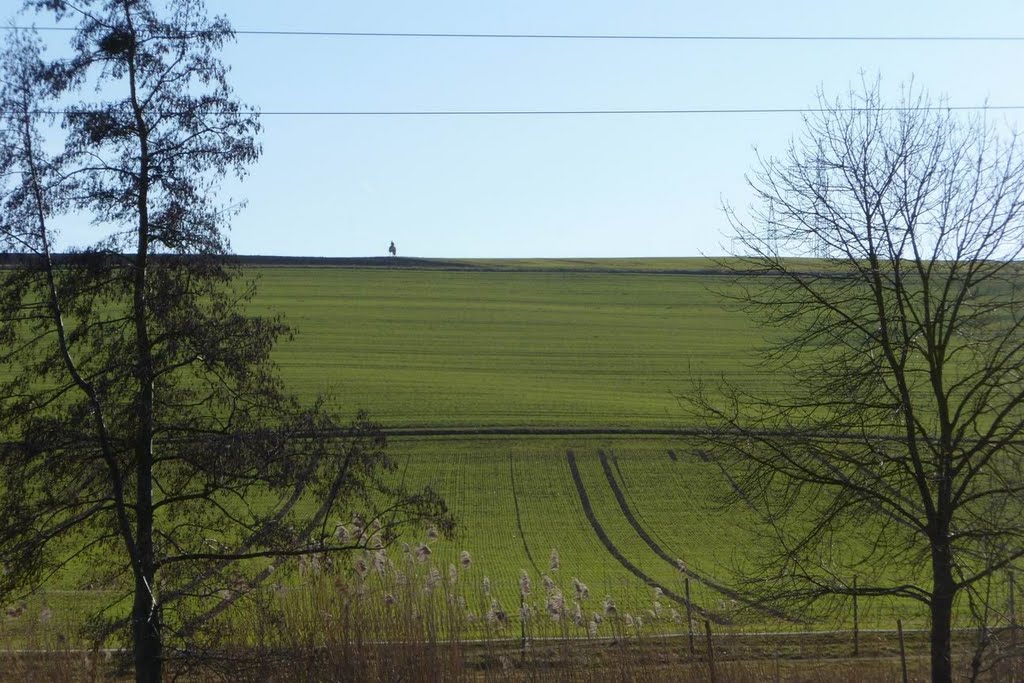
(148, 442)
(889, 444)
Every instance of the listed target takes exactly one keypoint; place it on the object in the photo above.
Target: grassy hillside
(531, 349)
(563, 377)
(523, 348)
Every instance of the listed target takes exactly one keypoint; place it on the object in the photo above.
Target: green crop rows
(507, 348)
(586, 348)
(533, 348)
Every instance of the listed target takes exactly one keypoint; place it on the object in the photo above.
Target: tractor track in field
(738, 490)
(541, 431)
(660, 552)
(682, 432)
(613, 550)
(632, 499)
(616, 431)
(519, 519)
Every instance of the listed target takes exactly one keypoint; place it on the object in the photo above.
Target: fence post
(1013, 613)
(689, 613)
(711, 651)
(856, 621)
(903, 651)
(522, 626)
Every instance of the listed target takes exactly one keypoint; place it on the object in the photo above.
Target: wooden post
(903, 651)
(1013, 613)
(522, 626)
(711, 652)
(689, 613)
(856, 621)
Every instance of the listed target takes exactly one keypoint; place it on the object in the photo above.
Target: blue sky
(595, 186)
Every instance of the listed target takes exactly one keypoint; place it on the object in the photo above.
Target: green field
(540, 397)
(530, 349)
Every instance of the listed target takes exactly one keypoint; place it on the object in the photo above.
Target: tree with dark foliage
(147, 440)
(891, 448)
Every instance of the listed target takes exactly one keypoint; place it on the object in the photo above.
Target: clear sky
(560, 186)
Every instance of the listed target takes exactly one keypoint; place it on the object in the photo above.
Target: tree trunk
(145, 615)
(145, 610)
(942, 615)
(147, 641)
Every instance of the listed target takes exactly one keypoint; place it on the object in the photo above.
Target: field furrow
(615, 552)
(519, 520)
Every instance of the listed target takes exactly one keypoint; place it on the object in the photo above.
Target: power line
(567, 36)
(427, 113)
(632, 112)
(605, 36)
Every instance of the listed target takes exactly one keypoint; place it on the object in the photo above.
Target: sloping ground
(691, 266)
(656, 547)
(619, 511)
(487, 373)
(517, 500)
(615, 552)
(475, 350)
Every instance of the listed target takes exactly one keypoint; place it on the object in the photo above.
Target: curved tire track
(626, 492)
(653, 545)
(519, 521)
(588, 510)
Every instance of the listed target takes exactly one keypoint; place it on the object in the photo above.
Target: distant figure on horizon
(392, 250)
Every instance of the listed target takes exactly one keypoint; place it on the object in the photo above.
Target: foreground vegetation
(403, 613)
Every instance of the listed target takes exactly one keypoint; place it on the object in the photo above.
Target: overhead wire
(584, 112)
(628, 112)
(583, 36)
(602, 36)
